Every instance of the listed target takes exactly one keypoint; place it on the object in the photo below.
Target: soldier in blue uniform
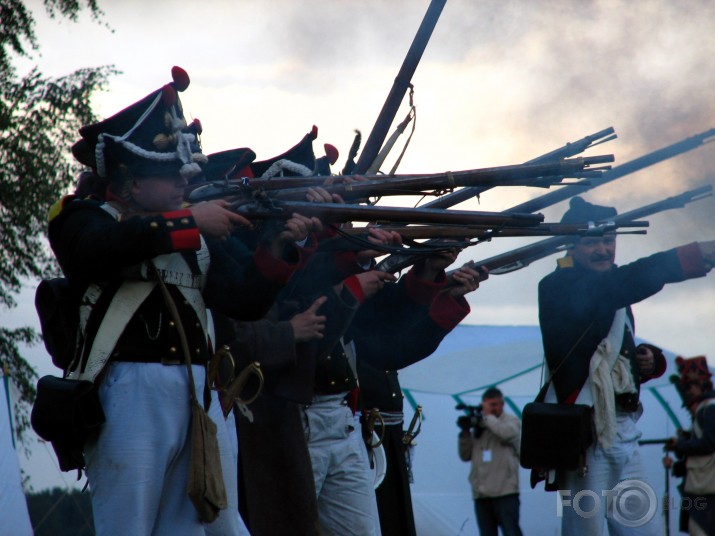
(587, 329)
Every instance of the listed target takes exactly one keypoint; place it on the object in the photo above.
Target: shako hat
(299, 160)
(230, 164)
(693, 369)
(149, 138)
(581, 211)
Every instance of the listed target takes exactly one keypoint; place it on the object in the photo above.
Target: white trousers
(137, 467)
(346, 498)
(628, 510)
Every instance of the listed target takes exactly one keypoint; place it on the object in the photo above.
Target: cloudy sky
(501, 82)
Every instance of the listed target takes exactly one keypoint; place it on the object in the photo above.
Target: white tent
(13, 506)
(472, 358)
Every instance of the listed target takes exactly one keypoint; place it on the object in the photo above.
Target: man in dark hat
(588, 337)
(113, 253)
(698, 448)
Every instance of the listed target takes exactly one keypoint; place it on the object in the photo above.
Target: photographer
(490, 439)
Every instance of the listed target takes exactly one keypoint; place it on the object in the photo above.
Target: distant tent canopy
(472, 359)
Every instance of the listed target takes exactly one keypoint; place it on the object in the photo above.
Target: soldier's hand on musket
(372, 282)
(321, 195)
(308, 325)
(336, 198)
(296, 229)
(214, 218)
(379, 237)
(359, 178)
(466, 279)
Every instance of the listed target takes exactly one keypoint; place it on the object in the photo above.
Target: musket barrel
(523, 256)
(551, 198)
(576, 147)
(338, 212)
(568, 150)
(488, 232)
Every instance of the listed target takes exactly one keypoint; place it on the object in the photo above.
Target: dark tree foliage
(59, 512)
(39, 119)
(17, 25)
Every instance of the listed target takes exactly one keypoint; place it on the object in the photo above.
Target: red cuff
(185, 239)
(183, 232)
(421, 291)
(277, 270)
(354, 286)
(328, 231)
(346, 263)
(691, 260)
(448, 311)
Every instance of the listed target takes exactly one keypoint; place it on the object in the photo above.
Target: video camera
(472, 420)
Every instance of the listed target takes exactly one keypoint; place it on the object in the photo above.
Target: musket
(399, 87)
(341, 213)
(442, 238)
(542, 175)
(352, 187)
(484, 233)
(521, 257)
(566, 151)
